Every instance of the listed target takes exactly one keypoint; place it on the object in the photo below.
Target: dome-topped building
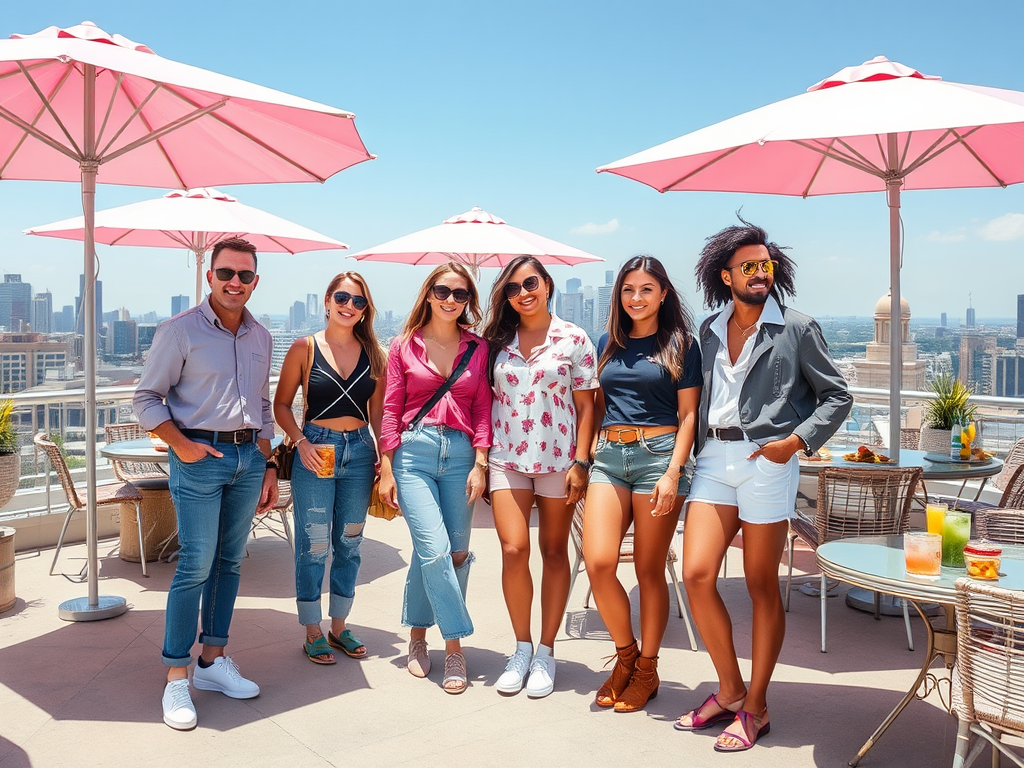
(873, 370)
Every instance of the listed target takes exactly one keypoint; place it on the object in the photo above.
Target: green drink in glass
(956, 532)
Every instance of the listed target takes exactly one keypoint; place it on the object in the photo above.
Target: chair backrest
(577, 527)
(60, 467)
(990, 654)
(1004, 525)
(131, 430)
(1014, 459)
(1013, 493)
(127, 471)
(864, 502)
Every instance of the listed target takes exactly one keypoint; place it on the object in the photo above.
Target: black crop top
(330, 396)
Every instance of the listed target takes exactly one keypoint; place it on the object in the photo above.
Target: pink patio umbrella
(77, 100)
(477, 239)
(196, 219)
(881, 126)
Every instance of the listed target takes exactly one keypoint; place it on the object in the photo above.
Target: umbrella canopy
(196, 219)
(477, 239)
(78, 103)
(880, 126)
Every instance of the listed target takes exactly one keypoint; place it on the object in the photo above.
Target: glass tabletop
(877, 562)
(932, 470)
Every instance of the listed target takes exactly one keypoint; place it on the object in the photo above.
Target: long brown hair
(675, 326)
(502, 320)
(363, 330)
(421, 310)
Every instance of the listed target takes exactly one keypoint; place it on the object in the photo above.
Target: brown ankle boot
(642, 687)
(625, 661)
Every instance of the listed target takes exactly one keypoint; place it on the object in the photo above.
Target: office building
(15, 304)
(79, 310)
(572, 308)
(26, 357)
(1020, 319)
(942, 320)
(297, 316)
(123, 338)
(179, 304)
(64, 321)
(42, 313)
(313, 308)
(145, 335)
(573, 285)
(974, 350)
(1007, 374)
(970, 317)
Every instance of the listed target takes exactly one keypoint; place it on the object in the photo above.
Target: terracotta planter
(10, 475)
(936, 440)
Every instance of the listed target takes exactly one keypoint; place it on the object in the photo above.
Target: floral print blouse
(533, 415)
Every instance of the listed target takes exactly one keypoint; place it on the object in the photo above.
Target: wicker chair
(989, 700)
(855, 502)
(131, 471)
(1012, 498)
(1002, 525)
(106, 495)
(281, 508)
(626, 556)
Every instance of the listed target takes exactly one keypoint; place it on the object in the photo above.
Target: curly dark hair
(675, 326)
(502, 321)
(720, 248)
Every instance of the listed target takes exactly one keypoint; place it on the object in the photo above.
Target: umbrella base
(79, 609)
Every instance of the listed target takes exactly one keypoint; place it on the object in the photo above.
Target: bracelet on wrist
(272, 465)
(585, 464)
(483, 465)
(301, 438)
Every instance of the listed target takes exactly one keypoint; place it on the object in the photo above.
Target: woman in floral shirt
(544, 373)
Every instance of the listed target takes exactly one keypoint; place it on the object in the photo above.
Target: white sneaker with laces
(512, 679)
(179, 712)
(542, 676)
(223, 676)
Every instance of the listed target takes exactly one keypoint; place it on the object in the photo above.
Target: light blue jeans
(331, 509)
(215, 500)
(431, 468)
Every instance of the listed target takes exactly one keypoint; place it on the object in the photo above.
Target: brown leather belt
(632, 434)
(726, 434)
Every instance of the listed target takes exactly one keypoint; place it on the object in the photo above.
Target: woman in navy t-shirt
(650, 373)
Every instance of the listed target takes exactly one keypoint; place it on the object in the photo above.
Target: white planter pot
(936, 440)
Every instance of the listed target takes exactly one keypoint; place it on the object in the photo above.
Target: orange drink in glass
(326, 452)
(923, 552)
(935, 514)
(967, 435)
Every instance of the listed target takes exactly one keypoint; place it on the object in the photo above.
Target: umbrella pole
(93, 607)
(200, 261)
(895, 314)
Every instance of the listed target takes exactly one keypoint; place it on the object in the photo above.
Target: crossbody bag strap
(457, 371)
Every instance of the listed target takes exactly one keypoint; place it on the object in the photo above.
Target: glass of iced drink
(935, 514)
(326, 452)
(956, 531)
(923, 552)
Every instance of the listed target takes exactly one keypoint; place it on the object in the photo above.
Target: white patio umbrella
(196, 219)
(881, 126)
(477, 239)
(78, 104)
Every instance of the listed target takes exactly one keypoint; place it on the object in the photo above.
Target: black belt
(238, 437)
(726, 434)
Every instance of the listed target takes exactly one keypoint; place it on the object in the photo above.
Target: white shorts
(550, 485)
(764, 492)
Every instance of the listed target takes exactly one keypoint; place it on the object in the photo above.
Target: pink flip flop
(748, 722)
(698, 721)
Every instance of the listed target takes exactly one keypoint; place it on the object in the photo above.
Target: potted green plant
(10, 460)
(949, 406)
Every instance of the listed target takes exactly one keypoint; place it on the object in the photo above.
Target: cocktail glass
(923, 552)
(956, 531)
(934, 514)
(326, 452)
(967, 435)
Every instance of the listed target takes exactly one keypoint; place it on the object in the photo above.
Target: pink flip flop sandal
(751, 732)
(699, 721)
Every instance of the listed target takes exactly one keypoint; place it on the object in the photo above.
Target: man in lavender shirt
(206, 392)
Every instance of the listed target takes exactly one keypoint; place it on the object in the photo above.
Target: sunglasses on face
(341, 298)
(245, 276)
(530, 284)
(442, 292)
(749, 268)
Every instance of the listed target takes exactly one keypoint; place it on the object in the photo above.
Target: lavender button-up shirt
(203, 376)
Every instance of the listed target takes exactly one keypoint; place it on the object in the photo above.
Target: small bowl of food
(983, 559)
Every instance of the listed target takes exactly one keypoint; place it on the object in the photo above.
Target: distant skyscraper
(1020, 316)
(573, 285)
(179, 304)
(64, 321)
(604, 302)
(15, 303)
(609, 277)
(970, 317)
(942, 320)
(79, 310)
(42, 313)
(123, 338)
(313, 308)
(296, 316)
(572, 308)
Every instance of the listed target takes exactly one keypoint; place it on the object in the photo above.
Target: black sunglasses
(442, 292)
(224, 274)
(529, 284)
(341, 298)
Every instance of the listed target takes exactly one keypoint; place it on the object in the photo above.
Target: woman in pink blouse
(544, 372)
(433, 462)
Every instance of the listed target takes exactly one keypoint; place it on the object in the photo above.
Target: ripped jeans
(431, 468)
(331, 511)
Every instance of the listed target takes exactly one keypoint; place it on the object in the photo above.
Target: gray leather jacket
(792, 384)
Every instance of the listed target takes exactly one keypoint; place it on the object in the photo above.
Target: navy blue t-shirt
(638, 391)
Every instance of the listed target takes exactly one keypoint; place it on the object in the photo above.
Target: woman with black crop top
(650, 373)
(343, 392)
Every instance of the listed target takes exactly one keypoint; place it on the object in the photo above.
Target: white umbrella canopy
(477, 239)
(880, 126)
(196, 219)
(79, 104)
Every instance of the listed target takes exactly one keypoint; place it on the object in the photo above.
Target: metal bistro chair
(626, 556)
(281, 508)
(106, 495)
(989, 700)
(130, 471)
(855, 502)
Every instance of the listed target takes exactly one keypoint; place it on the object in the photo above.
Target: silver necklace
(744, 332)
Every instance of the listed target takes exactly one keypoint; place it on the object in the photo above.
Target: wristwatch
(271, 464)
(585, 464)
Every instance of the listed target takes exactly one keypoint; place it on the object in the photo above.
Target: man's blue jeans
(431, 468)
(215, 500)
(331, 509)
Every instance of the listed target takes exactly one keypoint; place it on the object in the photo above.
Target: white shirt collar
(770, 313)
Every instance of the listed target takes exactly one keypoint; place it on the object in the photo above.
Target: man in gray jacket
(770, 391)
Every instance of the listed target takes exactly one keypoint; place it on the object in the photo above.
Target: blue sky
(511, 106)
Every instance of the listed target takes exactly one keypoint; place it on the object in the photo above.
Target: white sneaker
(542, 676)
(512, 679)
(179, 712)
(223, 676)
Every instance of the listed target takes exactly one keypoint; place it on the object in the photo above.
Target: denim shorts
(637, 466)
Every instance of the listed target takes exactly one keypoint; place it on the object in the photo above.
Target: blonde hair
(421, 311)
(363, 330)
